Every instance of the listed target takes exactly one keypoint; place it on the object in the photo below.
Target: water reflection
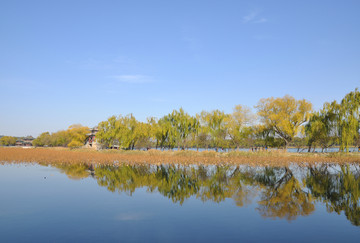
(338, 187)
(75, 172)
(280, 192)
(283, 195)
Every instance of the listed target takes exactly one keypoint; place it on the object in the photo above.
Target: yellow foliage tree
(239, 124)
(285, 116)
(78, 135)
(7, 141)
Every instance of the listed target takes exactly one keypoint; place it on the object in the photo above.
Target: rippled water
(179, 203)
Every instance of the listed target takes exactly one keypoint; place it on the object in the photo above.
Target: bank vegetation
(277, 123)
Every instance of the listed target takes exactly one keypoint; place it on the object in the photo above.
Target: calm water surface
(41, 203)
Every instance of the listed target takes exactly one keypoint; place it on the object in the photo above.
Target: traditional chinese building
(25, 141)
(91, 139)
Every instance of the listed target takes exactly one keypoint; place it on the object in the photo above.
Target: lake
(177, 203)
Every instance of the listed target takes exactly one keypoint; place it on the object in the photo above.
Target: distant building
(25, 141)
(91, 139)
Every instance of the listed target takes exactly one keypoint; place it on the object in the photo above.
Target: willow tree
(321, 128)
(108, 130)
(239, 124)
(185, 125)
(216, 124)
(78, 135)
(348, 120)
(131, 131)
(155, 132)
(166, 133)
(196, 130)
(44, 139)
(124, 130)
(263, 136)
(202, 136)
(145, 135)
(285, 116)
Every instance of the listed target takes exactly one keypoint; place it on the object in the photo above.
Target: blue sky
(66, 62)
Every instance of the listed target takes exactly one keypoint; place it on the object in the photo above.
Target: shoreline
(111, 157)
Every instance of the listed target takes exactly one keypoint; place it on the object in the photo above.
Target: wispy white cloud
(259, 21)
(254, 17)
(132, 79)
(250, 16)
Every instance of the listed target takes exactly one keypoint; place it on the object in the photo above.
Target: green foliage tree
(202, 137)
(215, 123)
(125, 131)
(320, 130)
(107, 131)
(132, 131)
(166, 132)
(184, 127)
(44, 139)
(348, 119)
(145, 135)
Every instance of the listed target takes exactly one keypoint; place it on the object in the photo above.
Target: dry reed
(87, 156)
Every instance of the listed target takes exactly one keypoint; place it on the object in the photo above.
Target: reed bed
(110, 157)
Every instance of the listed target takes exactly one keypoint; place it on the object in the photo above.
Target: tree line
(7, 141)
(278, 122)
(73, 137)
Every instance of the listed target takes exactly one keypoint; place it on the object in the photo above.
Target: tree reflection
(74, 171)
(340, 191)
(284, 192)
(283, 195)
